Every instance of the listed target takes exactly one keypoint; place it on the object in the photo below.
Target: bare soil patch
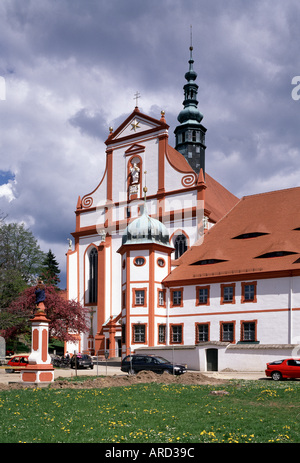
(141, 377)
(127, 380)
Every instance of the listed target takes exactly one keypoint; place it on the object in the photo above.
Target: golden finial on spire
(145, 189)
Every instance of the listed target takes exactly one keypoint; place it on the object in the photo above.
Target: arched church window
(93, 276)
(180, 245)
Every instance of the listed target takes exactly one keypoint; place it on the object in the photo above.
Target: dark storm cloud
(93, 124)
(94, 31)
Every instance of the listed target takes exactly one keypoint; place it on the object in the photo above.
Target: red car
(17, 363)
(283, 369)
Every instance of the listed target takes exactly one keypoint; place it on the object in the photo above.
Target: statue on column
(39, 369)
(40, 296)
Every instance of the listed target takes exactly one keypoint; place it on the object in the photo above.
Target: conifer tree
(50, 270)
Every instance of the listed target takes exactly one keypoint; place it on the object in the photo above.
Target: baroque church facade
(179, 194)
(167, 258)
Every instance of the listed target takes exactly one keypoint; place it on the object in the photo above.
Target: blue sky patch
(5, 176)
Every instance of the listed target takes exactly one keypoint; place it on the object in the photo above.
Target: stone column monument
(39, 370)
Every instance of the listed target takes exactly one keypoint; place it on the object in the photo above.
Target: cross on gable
(137, 95)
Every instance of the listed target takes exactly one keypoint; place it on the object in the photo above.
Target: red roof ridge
(178, 161)
(265, 193)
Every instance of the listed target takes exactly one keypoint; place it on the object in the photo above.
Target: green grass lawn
(254, 411)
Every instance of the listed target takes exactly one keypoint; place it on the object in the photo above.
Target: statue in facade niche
(135, 174)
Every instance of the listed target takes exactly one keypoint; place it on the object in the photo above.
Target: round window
(139, 261)
(161, 262)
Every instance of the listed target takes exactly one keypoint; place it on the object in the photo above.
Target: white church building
(169, 261)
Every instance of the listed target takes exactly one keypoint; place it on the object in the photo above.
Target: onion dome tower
(190, 134)
(146, 261)
(146, 230)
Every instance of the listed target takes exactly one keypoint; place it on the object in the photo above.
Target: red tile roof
(177, 160)
(246, 240)
(218, 200)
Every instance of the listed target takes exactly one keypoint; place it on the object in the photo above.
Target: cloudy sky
(69, 70)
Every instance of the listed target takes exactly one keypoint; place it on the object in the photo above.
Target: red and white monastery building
(169, 261)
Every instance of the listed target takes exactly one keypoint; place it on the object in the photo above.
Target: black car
(134, 363)
(83, 361)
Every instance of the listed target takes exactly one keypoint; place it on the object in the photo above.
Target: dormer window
(245, 236)
(268, 255)
(208, 261)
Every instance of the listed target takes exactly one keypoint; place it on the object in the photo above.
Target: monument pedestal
(39, 370)
(37, 374)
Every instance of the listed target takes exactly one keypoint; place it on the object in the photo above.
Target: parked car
(83, 361)
(134, 363)
(17, 363)
(283, 369)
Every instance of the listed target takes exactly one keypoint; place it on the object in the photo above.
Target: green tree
(11, 284)
(20, 261)
(50, 270)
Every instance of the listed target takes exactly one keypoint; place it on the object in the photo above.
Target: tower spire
(191, 75)
(190, 134)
